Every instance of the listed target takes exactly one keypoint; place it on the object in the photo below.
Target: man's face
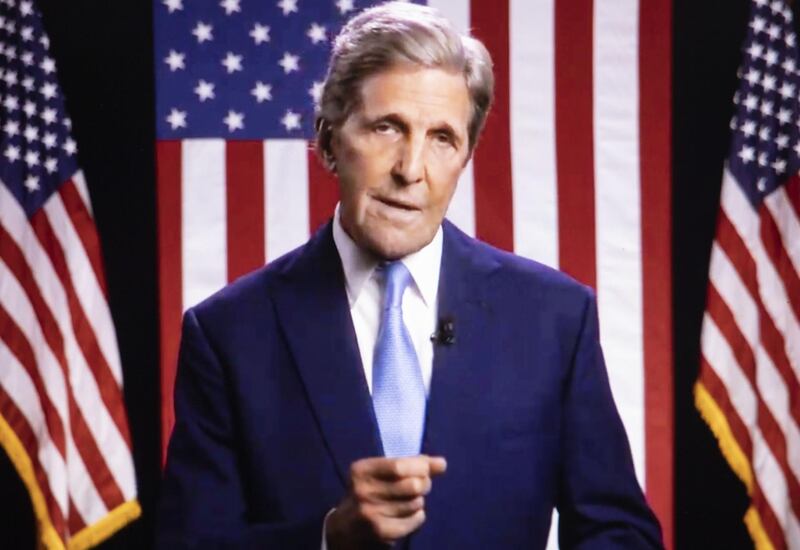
(398, 157)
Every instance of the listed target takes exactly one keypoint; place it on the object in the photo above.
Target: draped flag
(748, 389)
(62, 416)
(572, 170)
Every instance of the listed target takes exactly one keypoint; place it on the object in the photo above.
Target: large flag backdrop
(62, 416)
(573, 168)
(749, 384)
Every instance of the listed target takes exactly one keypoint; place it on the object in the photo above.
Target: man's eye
(384, 128)
(444, 138)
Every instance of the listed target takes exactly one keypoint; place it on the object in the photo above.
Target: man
(393, 380)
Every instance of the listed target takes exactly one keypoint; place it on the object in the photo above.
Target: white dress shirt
(365, 286)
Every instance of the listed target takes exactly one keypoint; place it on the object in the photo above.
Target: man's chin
(393, 247)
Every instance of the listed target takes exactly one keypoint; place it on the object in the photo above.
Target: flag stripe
(323, 192)
(287, 200)
(774, 247)
(244, 185)
(574, 114)
(533, 155)
(81, 219)
(787, 222)
(493, 187)
(655, 105)
(170, 273)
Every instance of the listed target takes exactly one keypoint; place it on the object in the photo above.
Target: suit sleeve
(601, 504)
(203, 502)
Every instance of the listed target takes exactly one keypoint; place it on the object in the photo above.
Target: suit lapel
(461, 370)
(313, 309)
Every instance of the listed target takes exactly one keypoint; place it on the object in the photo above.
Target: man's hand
(386, 501)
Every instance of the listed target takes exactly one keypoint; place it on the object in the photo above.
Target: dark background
(104, 56)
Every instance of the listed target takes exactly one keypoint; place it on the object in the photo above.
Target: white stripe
(83, 190)
(462, 206)
(789, 226)
(20, 389)
(286, 195)
(770, 383)
(84, 281)
(618, 217)
(204, 248)
(773, 294)
(533, 132)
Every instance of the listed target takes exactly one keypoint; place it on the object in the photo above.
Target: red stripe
(492, 167)
(110, 391)
(16, 341)
(83, 223)
(745, 359)
(731, 242)
(776, 250)
(74, 519)
(792, 190)
(574, 139)
(244, 166)
(323, 193)
(19, 424)
(170, 275)
(655, 105)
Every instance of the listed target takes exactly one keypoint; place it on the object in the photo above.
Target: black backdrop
(104, 56)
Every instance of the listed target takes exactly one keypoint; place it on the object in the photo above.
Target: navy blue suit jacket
(272, 407)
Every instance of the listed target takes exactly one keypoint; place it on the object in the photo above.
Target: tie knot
(397, 278)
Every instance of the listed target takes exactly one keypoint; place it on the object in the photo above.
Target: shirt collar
(359, 266)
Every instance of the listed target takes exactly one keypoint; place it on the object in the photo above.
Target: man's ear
(325, 137)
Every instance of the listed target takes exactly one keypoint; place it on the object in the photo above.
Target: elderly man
(393, 380)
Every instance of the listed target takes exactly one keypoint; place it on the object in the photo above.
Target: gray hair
(393, 33)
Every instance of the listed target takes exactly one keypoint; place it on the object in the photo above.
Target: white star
(67, 122)
(316, 33)
(291, 120)
(177, 119)
(763, 133)
(70, 147)
(173, 5)
(262, 92)
(12, 153)
(750, 102)
(234, 121)
(51, 165)
(32, 159)
(747, 154)
(49, 115)
(733, 124)
(786, 91)
(26, 8)
(762, 159)
(758, 24)
(768, 82)
(782, 141)
(766, 108)
(26, 34)
(752, 77)
(762, 184)
(344, 6)
(11, 128)
(203, 32)
(11, 103)
(27, 58)
(29, 108)
(48, 65)
(11, 27)
(784, 116)
(49, 140)
(289, 62)
(776, 6)
(779, 166)
(788, 65)
(797, 148)
(748, 128)
(790, 39)
(45, 41)
(232, 62)
(288, 6)
(11, 53)
(204, 90)
(11, 78)
(755, 50)
(774, 31)
(260, 33)
(27, 83)
(230, 6)
(771, 57)
(175, 60)
(316, 91)
(48, 90)
(31, 133)
(32, 183)
(760, 3)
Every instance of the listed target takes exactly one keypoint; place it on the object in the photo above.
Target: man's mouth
(394, 203)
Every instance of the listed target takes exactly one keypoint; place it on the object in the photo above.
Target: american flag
(62, 416)
(572, 170)
(748, 389)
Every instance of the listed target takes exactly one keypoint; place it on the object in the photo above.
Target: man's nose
(410, 165)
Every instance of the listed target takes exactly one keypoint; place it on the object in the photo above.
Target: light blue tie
(398, 393)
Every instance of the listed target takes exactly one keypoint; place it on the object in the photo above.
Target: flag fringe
(737, 460)
(48, 537)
